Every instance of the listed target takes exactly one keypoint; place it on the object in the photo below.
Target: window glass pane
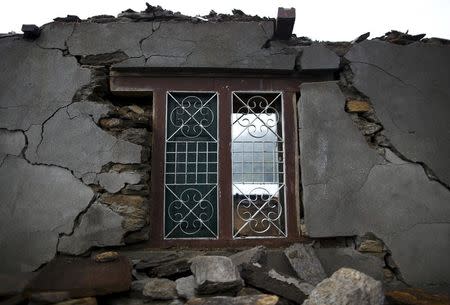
(257, 165)
(190, 207)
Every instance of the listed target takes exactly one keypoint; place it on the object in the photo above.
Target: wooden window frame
(158, 86)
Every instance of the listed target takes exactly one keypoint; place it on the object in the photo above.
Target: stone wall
(75, 159)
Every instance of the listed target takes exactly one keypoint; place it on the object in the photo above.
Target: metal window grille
(258, 165)
(191, 168)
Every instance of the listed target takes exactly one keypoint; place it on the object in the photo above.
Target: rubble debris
(215, 274)
(436, 40)
(369, 243)
(357, 106)
(30, 31)
(400, 38)
(416, 296)
(155, 260)
(160, 289)
(361, 38)
(186, 287)
(304, 261)
(102, 19)
(108, 256)
(262, 299)
(253, 255)
(81, 301)
(347, 287)
(269, 280)
(173, 269)
(69, 18)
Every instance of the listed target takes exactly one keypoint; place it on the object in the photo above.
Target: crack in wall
(379, 139)
(76, 222)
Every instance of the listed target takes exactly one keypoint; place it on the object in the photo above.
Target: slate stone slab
(270, 280)
(160, 289)
(252, 255)
(347, 287)
(262, 299)
(83, 277)
(305, 263)
(151, 259)
(172, 269)
(215, 274)
(276, 259)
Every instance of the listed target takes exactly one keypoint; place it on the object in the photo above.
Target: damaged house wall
(75, 159)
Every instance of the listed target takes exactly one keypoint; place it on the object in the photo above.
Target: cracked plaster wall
(56, 120)
(350, 188)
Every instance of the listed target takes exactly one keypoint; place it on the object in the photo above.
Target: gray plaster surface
(422, 253)
(94, 110)
(11, 143)
(333, 259)
(349, 190)
(37, 203)
(55, 35)
(214, 45)
(35, 82)
(113, 181)
(99, 227)
(77, 143)
(318, 57)
(101, 38)
(409, 89)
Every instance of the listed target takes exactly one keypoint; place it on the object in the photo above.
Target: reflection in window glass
(257, 165)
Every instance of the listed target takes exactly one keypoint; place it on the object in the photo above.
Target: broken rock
(160, 289)
(82, 301)
(106, 257)
(215, 274)
(347, 287)
(172, 269)
(186, 287)
(305, 263)
(274, 282)
(249, 256)
(262, 299)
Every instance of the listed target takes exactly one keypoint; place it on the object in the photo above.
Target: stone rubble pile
(260, 276)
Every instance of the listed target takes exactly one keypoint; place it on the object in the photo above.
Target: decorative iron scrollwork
(191, 165)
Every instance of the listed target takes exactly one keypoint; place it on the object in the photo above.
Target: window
(224, 161)
(190, 204)
(257, 165)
